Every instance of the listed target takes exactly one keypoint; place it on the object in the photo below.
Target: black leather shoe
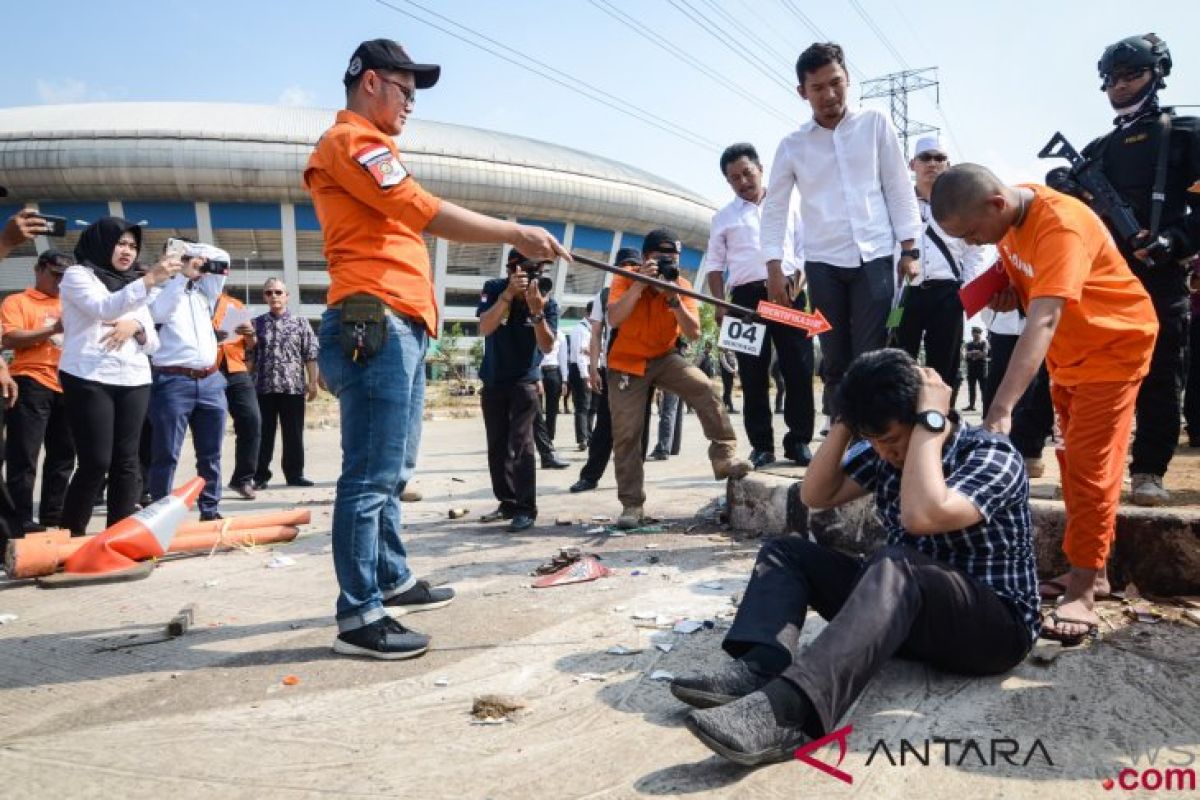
(552, 461)
(496, 516)
(521, 522)
(260, 485)
(800, 454)
(244, 490)
(301, 481)
(657, 455)
(761, 458)
(582, 485)
(209, 516)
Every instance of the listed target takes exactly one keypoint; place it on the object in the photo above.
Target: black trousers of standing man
(39, 418)
(896, 602)
(286, 411)
(551, 397)
(247, 425)
(795, 352)
(581, 395)
(508, 412)
(933, 316)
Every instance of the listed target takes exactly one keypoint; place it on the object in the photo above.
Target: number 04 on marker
(741, 336)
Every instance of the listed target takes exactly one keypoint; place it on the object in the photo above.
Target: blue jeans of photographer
(381, 400)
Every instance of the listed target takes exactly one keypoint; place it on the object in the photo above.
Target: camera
(216, 260)
(668, 269)
(533, 270)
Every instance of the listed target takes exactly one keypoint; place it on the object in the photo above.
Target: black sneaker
(384, 638)
(800, 455)
(421, 597)
(730, 682)
(583, 485)
(209, 516)
(301, 481)
(761, 458)
(521, 522)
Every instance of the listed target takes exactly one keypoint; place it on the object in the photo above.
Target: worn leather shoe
(552, 461)
(745, 731)
(244, 490)
(521, 522)
(496, 516)
(730, 682)
(583, 485)
(761, 458)
(301, 481)
(800, 455)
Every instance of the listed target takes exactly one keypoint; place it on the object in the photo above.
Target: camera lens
(545, 284)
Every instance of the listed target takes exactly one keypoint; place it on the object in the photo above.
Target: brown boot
(735, 468)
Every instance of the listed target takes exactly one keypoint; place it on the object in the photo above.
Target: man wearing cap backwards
(1148, 138)
(32, 325)
(933, 312)
(519, 325)
(372, 214)
(644, 357)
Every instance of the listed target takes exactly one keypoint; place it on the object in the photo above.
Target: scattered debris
(572, 568)
(652, 620)
(598, 529)
(211, 584)
(691, 625)
(566, 556)
(458, 513)
(291, 680)
(589, 676)
(495, 709)
(7, 618)
(618, 609)
(1193, 615)
(1045, 652)
(1144, 612)
(651, 546)
(637, 572)
(278, 561)
(662, 675)
(622, 650)
(617, 534)
(666, 647)
(180, 623)
(563, 520)
(601, 518)
(715, 585)
(441, 682)
(653, 559)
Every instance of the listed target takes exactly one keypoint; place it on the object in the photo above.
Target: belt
(187, 372)
(391, 312)
(937, 282)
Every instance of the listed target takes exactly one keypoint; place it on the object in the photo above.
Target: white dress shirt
(557, 357)
(86, 305)
(1009, 323)
(184, 308)
(581, 337)
(598, 315)
(856, 199)
(735, 244)
(969, 259)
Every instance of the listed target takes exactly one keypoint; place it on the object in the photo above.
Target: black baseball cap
(56, 260)
(662, 241)
(386, 54)
(3, 192)
(628, 254)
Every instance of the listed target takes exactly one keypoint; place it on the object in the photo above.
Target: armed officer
(1151, 158)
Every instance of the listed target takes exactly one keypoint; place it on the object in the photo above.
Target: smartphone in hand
(58, 225)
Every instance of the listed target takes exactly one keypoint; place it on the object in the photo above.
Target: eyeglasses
(273, 292)
(409, 95)
(927, 157)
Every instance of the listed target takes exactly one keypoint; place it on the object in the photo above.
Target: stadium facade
(231, 174)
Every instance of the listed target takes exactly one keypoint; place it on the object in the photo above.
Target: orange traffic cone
(114, 554)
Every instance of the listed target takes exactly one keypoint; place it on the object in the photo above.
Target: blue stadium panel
(86, 212)
(306, 218)
(558, 229)
(592, 239)
(633, 240)
(162, 215)
(690, 258)
(246, 216)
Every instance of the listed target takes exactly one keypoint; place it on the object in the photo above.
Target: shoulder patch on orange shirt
(378, 161)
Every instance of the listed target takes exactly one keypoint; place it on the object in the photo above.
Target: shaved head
(963, 189)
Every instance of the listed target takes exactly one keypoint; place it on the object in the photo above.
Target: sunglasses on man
(927, 157)
(273, 292)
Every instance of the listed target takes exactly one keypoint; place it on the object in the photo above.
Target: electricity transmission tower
(896, 87)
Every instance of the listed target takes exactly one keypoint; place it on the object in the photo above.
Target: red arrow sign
(804, 753)
(813, 323)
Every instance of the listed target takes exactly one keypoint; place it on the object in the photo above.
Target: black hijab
(95, 250)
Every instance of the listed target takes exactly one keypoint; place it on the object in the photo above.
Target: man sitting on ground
(955, 586)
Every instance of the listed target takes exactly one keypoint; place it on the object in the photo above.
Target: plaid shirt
(987, 470)
(285, 344)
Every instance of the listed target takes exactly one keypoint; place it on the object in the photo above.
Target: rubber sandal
(1069, 640)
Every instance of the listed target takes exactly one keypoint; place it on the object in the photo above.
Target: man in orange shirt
(32, 325)
(239, 395)
(375, 332)
(1093, 323)
(646, 356)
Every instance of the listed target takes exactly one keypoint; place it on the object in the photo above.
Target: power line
(559, 77)
(746, 31)
(896, 87)
(631, 23)
(714, 30)
(862, 12)
(791, 6)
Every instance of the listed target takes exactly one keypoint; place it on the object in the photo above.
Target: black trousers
(508, 414)
(856, 302)
(976, 379)
(247, 425)
(897, 602)
(795, 351)
(1158, 401)
(581, 395)
(39, 417)
(727, 387)
(1191, 395)
(106, 425)
(933, 316)
(552, 395)
(286, 410)
(1033, 418)
(600, 449)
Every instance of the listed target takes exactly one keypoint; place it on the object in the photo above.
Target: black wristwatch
(932, 421)
(536, 319)
(914, 253)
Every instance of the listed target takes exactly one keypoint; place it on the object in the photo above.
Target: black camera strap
(945, 251)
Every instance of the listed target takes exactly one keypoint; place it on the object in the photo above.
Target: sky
(1010, 74)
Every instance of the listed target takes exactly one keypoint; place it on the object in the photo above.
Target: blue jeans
(381, 402)
(177, 402)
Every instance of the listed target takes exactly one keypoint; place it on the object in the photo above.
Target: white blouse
(86, 305)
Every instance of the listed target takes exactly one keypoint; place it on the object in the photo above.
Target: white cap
(929, 142)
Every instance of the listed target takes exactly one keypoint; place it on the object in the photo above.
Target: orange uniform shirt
(372, 213)
(1108, 324)
(231, 354)
(29, 311)
(649, 332)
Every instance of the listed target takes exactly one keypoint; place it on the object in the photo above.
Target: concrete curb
(1158, 549)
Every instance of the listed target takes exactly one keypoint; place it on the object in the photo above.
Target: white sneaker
(1148, 490)
(1035, 467)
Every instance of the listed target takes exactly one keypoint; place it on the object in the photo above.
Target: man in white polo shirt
(737, 265)
(578, 361)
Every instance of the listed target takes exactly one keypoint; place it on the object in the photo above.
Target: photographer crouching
(519, 324)
(645, 357)
(188, 389)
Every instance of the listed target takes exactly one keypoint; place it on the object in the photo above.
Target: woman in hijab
(104, 370)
